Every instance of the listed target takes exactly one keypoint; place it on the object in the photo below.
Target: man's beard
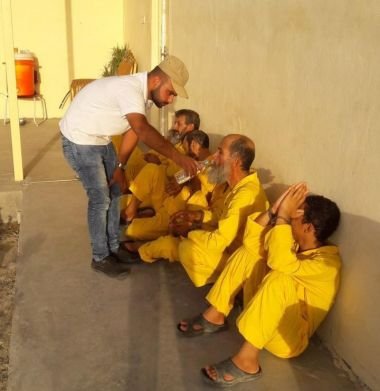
(173, 136)
(216, 174)
(155, 97)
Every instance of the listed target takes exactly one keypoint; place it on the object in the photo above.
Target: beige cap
(177, 72)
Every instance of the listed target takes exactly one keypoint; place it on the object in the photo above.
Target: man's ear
(309, 228)
(193, 146)
(190, 127)
(236, 161)
(156, 81)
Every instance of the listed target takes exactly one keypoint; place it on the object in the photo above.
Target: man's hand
(182, 222)
(118, 177)
(152, 158)
(279, 200)
(194, 184)
(187, 163)
(290, 205)
(172, 187)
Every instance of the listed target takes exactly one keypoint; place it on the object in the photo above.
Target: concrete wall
(71, 39)
(302, 78)
(137, 27)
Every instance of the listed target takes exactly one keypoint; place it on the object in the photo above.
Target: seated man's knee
(185, 249)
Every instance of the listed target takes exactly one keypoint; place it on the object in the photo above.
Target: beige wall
(71, 39)
(137, 28)
(302, 78)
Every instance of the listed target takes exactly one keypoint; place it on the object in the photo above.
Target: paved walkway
(76, 330)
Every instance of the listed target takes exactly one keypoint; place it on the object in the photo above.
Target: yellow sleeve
(197, 201)
(283, 257)
(216, 205)
(254, 236)
(228, 225)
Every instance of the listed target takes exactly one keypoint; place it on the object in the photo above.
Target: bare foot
(214, 316)
(183, 326)
(250, 369)
(246, 365)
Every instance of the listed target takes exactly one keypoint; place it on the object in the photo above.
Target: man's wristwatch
(120, 165)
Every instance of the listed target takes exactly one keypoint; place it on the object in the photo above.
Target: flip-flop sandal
(227, 367)
(206, 327)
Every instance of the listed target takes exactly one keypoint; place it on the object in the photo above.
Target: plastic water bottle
(182, 176)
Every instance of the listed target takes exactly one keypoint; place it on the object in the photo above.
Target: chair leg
(43, 108)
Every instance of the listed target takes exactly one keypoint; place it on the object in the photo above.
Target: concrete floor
(76, 330)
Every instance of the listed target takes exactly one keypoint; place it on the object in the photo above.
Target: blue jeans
(95, 165)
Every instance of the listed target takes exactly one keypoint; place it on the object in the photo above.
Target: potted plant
(122, 62)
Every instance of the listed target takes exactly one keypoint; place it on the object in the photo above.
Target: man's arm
(128, 144)
(153, 139)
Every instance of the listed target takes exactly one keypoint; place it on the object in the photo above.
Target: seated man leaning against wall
(185, 121)
(289, 274)
(204, 252)
(152, 188)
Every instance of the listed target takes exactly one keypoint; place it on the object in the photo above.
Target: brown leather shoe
(111, 267)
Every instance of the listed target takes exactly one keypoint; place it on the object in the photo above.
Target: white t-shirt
(98, 111)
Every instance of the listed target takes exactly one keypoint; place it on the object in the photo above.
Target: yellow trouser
(149, 228)
(149, 185)
(275, 318)
(165, 247)
(149, 188)
(202, 266)
(243, 270)
(135, 164)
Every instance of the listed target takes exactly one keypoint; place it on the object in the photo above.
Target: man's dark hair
(244, 148)
(198, 136)
(191, 117)
(324, 214)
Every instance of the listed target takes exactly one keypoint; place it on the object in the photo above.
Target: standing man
(111, 106)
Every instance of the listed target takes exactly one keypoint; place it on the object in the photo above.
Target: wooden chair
(75, 86)
(126, 67)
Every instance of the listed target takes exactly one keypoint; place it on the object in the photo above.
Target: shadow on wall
(215, 140)
(358, 240)
(273, 190)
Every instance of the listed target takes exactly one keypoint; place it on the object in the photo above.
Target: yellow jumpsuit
(149, 187)
(166, 247)
(204, 253)
(293, 298)
(245, 269)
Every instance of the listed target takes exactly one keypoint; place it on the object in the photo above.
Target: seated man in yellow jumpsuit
(204, 253)
(152, 188)
(290, 276)
(139, 169)
(185, 120)
(203, 210)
